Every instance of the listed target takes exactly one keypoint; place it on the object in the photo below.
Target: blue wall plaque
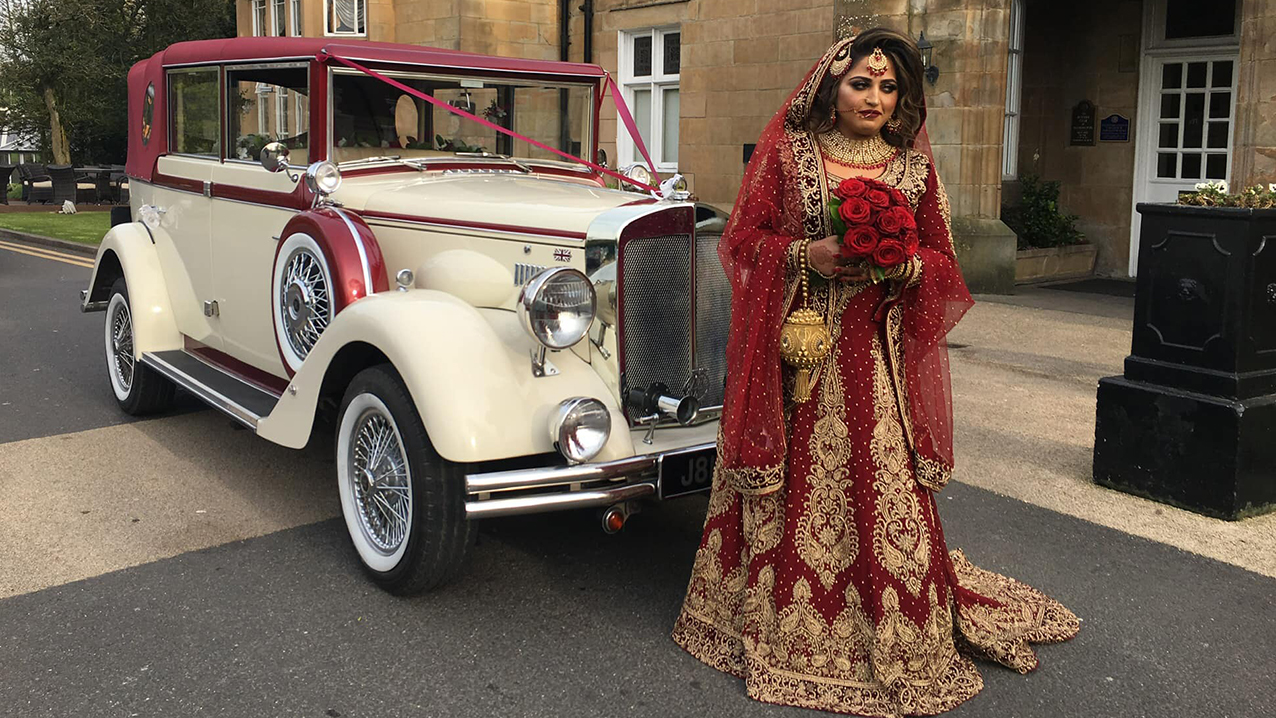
(1114, 128)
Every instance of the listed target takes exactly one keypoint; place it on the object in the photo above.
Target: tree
(64, 65)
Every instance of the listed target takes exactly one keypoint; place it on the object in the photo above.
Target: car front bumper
(557, 488)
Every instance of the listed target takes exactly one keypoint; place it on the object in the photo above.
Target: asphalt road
(178, 567)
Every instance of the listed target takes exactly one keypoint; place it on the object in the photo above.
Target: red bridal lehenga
(823, 578)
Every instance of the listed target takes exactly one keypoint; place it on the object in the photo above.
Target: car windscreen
(371, 118)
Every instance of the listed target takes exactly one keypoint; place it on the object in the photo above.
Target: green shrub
(1037, 220)
(14, 191)
(1215, 194)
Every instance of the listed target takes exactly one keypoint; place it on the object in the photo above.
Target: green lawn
(82, 227)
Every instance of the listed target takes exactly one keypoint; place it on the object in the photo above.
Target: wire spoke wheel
(305, 300)
(122, 345)
(138, 389)
(403, 504)
(380, 481)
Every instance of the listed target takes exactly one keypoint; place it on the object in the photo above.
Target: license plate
(687, 472)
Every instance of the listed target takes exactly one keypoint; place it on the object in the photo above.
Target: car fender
(129, 250)
(469, 372)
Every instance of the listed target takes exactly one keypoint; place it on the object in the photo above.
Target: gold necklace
(869, 154)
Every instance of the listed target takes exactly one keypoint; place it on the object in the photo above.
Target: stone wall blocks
(693, 104)
(756, 50)
(719, 9)
(805, 47)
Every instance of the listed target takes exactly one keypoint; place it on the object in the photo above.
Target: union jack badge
(562, 255)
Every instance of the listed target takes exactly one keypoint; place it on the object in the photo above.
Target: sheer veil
(782, 199)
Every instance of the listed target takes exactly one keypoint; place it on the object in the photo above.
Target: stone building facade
(704, 77)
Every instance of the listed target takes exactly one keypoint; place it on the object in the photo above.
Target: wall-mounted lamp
(932, 72)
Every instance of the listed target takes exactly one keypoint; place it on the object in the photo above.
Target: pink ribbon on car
(621, 110)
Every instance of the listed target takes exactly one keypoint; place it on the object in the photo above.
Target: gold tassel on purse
(804, 340)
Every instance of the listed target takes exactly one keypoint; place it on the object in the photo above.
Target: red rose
(908, 237)
(854, 211)
(850, 188)
(897, 198)
(893, 220)
(860, 242)
(879, 198)
(889, 253)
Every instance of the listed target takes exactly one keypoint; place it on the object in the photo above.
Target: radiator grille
(663, 339)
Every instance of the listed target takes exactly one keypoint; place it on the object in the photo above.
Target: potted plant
(1049, 244)
(1190, 422)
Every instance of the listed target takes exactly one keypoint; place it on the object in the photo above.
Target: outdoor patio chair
(36, 184)
(68, 186)
(119, 186)
(5, 172)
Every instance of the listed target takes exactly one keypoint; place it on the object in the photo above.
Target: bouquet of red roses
(875, 223)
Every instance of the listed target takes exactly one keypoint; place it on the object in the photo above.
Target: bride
(823, 578)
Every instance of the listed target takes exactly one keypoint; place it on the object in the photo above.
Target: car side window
(268, 104)
(193, 112)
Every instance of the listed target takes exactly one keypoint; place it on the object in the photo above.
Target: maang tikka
(877, 63)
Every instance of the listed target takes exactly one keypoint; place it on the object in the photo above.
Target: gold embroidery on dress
(1024, 614)
(710, 585)
(907, 172)
(931, 473)
(763, 520)
(903, 650)
(721, 495)
(901, 539)
(945, 209)
(827, 539)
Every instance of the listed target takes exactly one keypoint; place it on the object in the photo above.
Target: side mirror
(601, 159)
(274, 157)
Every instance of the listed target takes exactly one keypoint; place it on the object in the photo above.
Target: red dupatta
(781, 200)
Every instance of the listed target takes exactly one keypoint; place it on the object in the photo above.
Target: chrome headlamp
(557, 306)
(580, 427)
(323, 178)
(637, 172)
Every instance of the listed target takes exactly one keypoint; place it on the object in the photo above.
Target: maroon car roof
(240, 49)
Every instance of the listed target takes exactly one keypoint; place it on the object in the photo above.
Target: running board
(238, 399)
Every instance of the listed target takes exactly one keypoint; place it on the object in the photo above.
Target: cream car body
(423, 262)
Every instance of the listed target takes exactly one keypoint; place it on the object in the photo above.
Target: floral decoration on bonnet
(876, 226)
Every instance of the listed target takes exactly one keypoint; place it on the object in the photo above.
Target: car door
(266, 102)
(181, 198)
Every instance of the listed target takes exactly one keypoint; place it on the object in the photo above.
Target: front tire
(404, 505)
(139, 389)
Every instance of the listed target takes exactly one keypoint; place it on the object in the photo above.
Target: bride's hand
(824, 255)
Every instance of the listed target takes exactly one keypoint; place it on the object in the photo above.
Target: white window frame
(657, 82)
(260, 17)
(1154, 30)
(294, 22)
(278, 18)
(327, 13)
(282, 112)
(1014, 94)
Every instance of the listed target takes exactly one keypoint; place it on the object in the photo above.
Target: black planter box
(1193, 421)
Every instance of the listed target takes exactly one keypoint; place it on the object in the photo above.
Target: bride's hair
(907, 61)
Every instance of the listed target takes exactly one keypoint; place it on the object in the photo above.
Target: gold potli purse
(804, 340)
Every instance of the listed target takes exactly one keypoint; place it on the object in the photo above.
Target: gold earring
(893, 124)
(833, 115)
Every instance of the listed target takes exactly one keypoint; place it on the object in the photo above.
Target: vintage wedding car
(320, 242)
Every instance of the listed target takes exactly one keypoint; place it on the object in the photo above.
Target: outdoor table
(101, 181)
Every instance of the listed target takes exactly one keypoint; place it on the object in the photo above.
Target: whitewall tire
(138, 388)
(403, 504)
